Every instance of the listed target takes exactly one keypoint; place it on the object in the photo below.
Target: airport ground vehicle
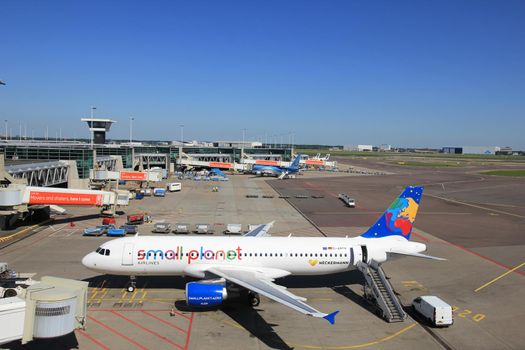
(99, 230)
(129, 228)
(109, 221)
(350, 202)
(12, 283)
(159, 192)
(139, 196)
(434, 310)
(162, 227)
(174, 186)
(116, 232)
(135, 219)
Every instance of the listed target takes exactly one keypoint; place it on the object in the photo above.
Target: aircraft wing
(260, 231)
(260, 283)
(417, 255)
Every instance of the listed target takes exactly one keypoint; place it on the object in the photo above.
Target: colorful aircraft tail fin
(296, 161)
(399, 217)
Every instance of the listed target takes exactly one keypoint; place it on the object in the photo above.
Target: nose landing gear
(132, 284)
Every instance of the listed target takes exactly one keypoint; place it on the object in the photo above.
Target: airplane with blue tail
(242, 268)
(269, 170)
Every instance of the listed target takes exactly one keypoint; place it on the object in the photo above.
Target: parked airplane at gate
(268, 170)
(247, 266)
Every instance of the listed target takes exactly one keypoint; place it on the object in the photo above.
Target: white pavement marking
(477, 206)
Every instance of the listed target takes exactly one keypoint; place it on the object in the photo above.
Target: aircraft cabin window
(281, 254)
(271, 254)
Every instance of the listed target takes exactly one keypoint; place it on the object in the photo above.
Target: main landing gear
(132, 284)
(253, 299)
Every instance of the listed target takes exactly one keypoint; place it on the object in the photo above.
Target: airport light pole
(242, 146)
(131, 119)
(6, 138)
(91, 131)
(182, 134)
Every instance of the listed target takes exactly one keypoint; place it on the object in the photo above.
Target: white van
(433, 309)
(174, 186)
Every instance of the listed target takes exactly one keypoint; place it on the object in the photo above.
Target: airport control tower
(98, 128)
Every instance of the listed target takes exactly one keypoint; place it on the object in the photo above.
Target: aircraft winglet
(331, 317)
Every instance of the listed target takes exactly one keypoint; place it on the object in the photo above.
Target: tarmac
(471, 220)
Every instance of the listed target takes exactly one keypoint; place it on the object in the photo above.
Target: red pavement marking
(118, 333)
(317, 187)
(418, 235)
(165, 322)
(141, 310)
(189, 332)
(93, 339)
(485, 258)
(147, 329)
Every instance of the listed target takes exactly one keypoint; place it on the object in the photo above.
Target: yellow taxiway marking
(499, 277)
(6, 238)
(356, 346)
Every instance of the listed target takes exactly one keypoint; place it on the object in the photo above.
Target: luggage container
(162, 227)
(233, 229)
(182, 228)
(203, 228)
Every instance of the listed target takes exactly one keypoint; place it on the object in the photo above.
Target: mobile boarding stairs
(379, 291)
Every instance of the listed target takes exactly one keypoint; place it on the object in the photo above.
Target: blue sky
(407, 73)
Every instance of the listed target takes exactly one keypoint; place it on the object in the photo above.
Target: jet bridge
(379, 291)
(43, 174)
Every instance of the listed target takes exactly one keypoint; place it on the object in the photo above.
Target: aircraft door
(356, 255)
(127, 254)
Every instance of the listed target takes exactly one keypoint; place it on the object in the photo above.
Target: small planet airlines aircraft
(247, 266)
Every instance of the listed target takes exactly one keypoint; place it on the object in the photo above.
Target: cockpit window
(102, 251)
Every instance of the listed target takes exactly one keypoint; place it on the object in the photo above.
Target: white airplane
(248, 265)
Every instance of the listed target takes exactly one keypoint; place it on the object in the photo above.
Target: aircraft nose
(89, 261)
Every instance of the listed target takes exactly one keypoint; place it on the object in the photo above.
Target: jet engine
(205, 294)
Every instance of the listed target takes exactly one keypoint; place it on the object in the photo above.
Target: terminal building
(99, 154)
(487, 150)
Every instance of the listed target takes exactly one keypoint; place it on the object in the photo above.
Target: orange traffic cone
(72, 224)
